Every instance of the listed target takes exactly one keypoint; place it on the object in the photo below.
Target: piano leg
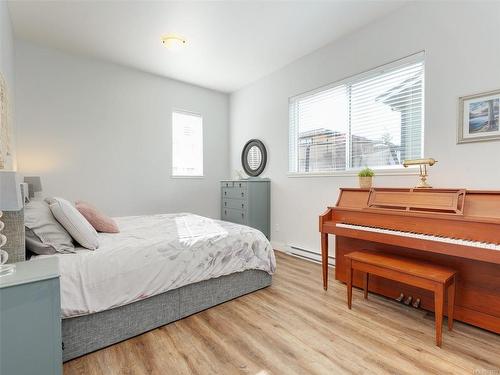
(365, 285)
(324, 259)
(438, 309)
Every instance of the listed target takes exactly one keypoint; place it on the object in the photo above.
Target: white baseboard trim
(301, 253)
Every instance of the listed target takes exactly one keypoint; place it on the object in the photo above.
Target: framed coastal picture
(479, 117)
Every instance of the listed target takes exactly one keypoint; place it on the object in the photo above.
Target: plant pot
(365, 182)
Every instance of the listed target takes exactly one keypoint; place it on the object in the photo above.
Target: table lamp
(34, 185)
(422, 163)
(10, 200)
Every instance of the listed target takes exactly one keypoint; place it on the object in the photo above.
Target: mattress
(154, 254)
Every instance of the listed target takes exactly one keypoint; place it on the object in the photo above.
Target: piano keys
(453, 227)
(423, 236)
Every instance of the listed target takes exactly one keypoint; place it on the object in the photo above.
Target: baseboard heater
(311, 255)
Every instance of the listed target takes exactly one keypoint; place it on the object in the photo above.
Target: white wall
(7, 69)
(101, 132)
(462, 57)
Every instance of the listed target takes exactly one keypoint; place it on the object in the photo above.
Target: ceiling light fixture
(173, 41)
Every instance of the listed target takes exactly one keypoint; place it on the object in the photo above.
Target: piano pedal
(400, 298)
(416, 303)
(408, 301)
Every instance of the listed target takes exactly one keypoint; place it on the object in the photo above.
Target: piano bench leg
(349, 283)
(451, 302)
(438, 310)
(365, 284)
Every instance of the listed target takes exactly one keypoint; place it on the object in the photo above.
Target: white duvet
(154, 254)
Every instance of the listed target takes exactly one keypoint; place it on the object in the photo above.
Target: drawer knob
(225, 193)
(242, 194)
(225, 212)
(242, 214)
(240, 184)
(242, 205)
(225, 203)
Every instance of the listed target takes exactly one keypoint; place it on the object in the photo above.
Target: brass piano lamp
(422, 163)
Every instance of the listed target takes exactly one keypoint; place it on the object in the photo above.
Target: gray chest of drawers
(247, 202)
(30, 319)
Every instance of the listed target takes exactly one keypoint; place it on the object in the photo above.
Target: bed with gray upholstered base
(157, 269)
(87, 333)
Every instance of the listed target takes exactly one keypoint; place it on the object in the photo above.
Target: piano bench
(409, 271)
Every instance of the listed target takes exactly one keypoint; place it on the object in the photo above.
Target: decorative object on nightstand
(30, 319)
(5, 269)
(34, 185)
(10, 200)
(247, 202)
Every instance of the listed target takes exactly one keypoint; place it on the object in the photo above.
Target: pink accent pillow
(97, 219)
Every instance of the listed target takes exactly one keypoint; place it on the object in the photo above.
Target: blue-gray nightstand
(30, 319)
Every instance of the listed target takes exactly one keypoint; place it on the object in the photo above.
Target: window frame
(394, 170)
(191, 113)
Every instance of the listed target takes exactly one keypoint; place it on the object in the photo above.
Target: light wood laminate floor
(294, 327)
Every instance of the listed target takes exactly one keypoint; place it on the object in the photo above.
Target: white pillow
(74, 222)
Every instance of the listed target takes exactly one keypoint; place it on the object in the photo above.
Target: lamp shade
(10, 191)
(34, 184)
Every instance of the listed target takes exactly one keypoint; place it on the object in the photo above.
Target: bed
(158, 269)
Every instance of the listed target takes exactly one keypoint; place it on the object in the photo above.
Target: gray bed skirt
(85, 334)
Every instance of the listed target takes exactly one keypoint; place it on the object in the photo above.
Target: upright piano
(457, 228)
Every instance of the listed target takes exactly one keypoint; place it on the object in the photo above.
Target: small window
(374, 119)
(187, 144)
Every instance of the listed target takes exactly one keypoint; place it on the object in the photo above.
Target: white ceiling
(230, 44)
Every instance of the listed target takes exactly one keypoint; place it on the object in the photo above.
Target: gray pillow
(44, 235)
(36, 246)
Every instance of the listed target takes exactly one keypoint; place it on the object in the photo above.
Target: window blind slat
(374, 119)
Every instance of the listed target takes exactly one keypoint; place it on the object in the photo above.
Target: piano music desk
(423, 275)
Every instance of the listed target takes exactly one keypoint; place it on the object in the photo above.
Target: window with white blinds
(187, 144)
(374, 119)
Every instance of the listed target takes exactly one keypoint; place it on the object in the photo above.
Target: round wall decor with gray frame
(254, 157)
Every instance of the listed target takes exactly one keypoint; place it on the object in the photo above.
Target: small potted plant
(365, 178)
